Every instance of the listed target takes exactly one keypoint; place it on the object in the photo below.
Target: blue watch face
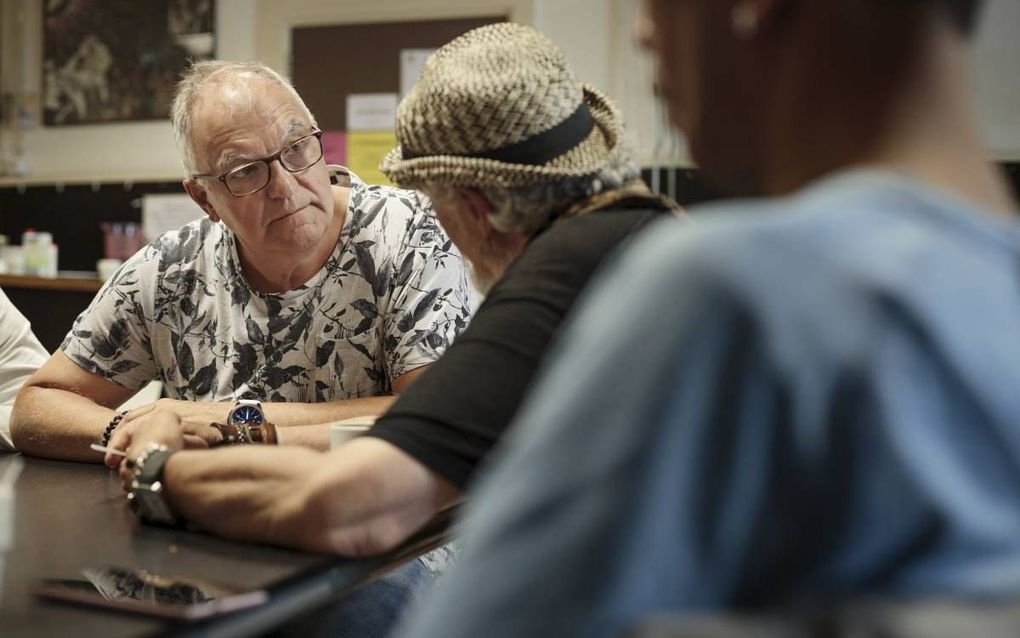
(247, 414)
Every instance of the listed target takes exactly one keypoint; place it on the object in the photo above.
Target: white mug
(107, 267)
(342, 431)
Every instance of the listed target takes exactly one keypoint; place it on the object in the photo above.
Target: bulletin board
(361, 64)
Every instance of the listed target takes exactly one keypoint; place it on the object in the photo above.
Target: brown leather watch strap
(240, 433)
(264, 433)
(232, 434)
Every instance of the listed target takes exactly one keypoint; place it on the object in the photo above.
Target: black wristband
(114, 422)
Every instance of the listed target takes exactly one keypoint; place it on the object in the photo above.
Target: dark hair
(962, 13)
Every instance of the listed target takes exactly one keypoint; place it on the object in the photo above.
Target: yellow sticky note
(365, 150)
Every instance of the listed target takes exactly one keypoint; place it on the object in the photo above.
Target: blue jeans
(371, 611)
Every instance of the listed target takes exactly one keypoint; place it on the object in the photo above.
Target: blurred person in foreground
(789, 401)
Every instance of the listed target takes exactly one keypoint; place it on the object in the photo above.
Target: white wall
(997, 77)
(246, 29)
(583, 29)
(995, 62)
(596, 36)
(134, 150)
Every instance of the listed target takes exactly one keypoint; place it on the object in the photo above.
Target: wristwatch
(146, 495)
(246, 412)
(235, 433)
(247, 423)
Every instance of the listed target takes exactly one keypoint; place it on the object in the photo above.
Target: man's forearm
(58, 424)
(305, 424)
(392, 495)
(288, 414)
(297, 421)
(361, 499)
(249, 493)
(312, 436)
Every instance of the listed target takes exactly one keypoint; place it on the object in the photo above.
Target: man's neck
(280, 272)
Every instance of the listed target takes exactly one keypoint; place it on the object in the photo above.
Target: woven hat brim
(586, 158)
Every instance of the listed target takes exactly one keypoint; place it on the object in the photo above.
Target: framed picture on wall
(118, 60)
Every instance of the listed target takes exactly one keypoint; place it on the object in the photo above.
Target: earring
(744, 20)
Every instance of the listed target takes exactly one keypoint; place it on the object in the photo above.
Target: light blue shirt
(779, 404)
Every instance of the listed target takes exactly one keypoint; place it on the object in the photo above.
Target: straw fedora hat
(499, 106)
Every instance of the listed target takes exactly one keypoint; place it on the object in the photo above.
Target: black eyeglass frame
(268, 161)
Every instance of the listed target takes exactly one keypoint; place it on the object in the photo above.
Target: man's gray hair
(200, 75)
(528, 209)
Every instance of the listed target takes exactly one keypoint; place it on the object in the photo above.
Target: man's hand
(166, 429)
(160, 424)
(160, 427)
(199, 412)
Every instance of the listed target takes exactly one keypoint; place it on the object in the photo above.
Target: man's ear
(478, 209)
(200, 197)
(751, 18)
(772, 12)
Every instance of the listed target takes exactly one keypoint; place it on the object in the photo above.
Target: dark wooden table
(71, 516)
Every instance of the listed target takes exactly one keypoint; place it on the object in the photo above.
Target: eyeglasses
(254, 176)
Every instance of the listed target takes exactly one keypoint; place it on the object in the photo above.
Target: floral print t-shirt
(390, 299)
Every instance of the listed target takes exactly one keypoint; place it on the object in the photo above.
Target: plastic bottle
(30, 252)
(43, 241)
(50, 269)
(40, 253)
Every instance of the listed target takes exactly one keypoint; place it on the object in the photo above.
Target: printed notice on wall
(162, 213)
(365, 150)
(412, 61)
(371, 112)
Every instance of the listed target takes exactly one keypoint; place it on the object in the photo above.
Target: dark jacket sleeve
(452, 415)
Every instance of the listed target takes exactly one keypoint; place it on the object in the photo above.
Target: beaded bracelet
(114, 422)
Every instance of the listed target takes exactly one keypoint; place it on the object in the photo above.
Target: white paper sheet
(371, 112)
(412, 61)
(162, 213)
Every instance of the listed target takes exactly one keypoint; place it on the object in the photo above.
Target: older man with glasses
(252, 177)
(305, 296)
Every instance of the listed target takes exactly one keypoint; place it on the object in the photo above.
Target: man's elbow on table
(25, 415)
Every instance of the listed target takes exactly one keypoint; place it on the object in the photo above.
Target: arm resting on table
(358, 500)
(62, 409)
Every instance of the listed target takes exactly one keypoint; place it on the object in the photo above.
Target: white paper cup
(6, 518)
(106, 268)
(343, 431)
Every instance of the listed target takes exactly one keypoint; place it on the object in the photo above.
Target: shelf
(72, 281)
(9, 181)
